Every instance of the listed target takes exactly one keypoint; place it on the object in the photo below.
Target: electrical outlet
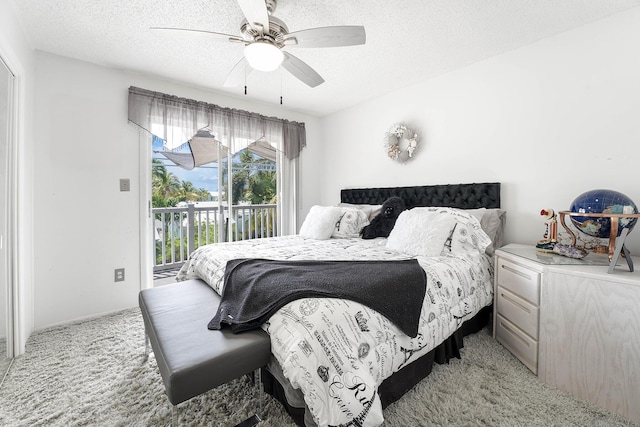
(119, 274)
(125, 184)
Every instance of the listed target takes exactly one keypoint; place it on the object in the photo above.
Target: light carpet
(94, 373)
(4, 360)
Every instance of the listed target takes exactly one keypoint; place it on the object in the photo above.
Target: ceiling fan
(265, 36)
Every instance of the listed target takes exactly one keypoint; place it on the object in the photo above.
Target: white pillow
(350, 223)
(421, 231)
(320, 222)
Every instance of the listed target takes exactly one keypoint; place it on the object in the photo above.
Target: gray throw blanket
(254, 289)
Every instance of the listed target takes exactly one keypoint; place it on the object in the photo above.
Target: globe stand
(613, 250)
(621, 248)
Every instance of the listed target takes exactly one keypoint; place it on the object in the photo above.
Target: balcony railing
(179, 231)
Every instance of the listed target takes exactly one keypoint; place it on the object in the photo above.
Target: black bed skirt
(406, 378)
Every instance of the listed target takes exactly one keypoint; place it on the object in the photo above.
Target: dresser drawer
(519, 280)
(519, 311)
(517, 342)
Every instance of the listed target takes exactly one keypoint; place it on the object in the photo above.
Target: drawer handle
(514, 302)
(512, 332)
(518, 272)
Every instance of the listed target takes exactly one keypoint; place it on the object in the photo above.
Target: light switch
(125, 185)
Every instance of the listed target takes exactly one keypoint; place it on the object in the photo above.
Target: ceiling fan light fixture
(263, 56)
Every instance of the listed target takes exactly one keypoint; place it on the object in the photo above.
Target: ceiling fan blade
(301, 70)
(238, 74)
(347, 35)
(256, 13)
(209, 35)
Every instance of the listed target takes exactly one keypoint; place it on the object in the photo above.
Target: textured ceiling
(408, 41)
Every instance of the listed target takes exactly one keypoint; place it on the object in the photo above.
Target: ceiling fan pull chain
(245, 78)
(281, 86)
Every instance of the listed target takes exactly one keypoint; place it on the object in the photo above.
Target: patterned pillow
(371, 210)
(492, 222)
(350, 223)
(467, 236)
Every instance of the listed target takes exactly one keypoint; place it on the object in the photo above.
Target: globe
(602, 201)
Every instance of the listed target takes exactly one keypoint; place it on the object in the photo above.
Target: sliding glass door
(210, 202)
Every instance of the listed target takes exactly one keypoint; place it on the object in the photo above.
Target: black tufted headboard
(464, 196)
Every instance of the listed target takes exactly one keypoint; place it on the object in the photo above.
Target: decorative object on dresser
(572, 323)
(549, 242)
(603, 214)
(602, 202)
(401, 142)
(550, 238)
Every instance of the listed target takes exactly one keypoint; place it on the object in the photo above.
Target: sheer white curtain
(176, 120)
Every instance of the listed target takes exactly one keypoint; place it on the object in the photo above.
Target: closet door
(6, 101)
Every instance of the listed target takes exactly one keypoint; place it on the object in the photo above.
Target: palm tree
(261, 188)
(203, 194)
(189, 192)
(240, 176)
(164, 183)
(157, 167)
(249, 184)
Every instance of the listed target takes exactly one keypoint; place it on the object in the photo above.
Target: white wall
(549, 121)
(84, 226)
(15, 50)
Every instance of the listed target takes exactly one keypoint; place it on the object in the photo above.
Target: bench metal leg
(147, 345)
(249, 422)
(255, 419)
(258, 377)
(174, 416)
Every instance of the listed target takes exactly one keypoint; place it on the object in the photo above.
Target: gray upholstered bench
(193, 359)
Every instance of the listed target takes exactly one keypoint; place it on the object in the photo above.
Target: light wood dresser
(571, 323)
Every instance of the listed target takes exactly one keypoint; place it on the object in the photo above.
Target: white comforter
(337, 351)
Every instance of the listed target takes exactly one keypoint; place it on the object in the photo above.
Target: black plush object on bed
(463, 196)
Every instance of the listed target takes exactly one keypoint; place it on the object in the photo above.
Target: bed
(337, 361)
